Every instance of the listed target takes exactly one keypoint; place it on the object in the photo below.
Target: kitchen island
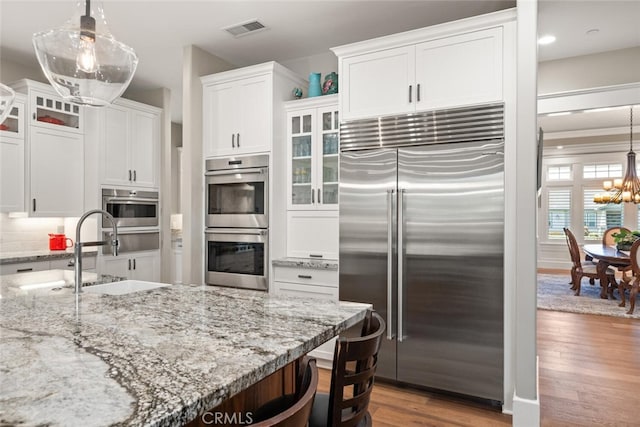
(152, 358)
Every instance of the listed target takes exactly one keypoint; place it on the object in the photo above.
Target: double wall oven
(237, 221)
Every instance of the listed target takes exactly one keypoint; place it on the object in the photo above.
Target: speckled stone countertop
(153, 358)
(44, 255)
(317, 263)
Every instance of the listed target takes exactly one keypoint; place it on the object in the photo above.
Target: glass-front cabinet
(313, 134)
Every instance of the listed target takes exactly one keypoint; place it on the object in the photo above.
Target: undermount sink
(123, 287)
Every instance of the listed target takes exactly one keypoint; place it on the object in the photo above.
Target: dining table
(607, 256)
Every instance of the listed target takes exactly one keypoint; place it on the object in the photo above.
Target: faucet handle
(115, 244)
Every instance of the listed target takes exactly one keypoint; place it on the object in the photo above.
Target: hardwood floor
(589, 376)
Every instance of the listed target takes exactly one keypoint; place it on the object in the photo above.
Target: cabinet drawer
(24, 267)
(306, 276)
(306, 291)
(88, 263)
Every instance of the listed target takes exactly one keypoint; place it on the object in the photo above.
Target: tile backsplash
(32, 234)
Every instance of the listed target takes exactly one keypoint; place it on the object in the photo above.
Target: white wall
(11, 71)
(196, 63)
(323, 63)
(588, 71)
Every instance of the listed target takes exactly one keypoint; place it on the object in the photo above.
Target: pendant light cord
(87, 4)
(631, 129)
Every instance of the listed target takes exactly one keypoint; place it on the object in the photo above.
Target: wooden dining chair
(632, 283)
(354, 365)
(578, 270)
(292, 410)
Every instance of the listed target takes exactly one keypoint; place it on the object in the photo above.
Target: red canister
(59, 242)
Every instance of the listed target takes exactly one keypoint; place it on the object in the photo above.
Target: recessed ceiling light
(560, 147)
(548, 39)
(593, 32)
(561, 113)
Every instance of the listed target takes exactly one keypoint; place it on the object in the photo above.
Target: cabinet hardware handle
(315, 256)
(134, 263)
(418, 89)
(313, 197)
(304, 276)
(34, 116)
(34, 205)
(129, 264)
(233, 140)
(319, 196)
(134, 175)
(23, 270)
(129, 174)
(410, 93)
(238, 140)
(71, 263)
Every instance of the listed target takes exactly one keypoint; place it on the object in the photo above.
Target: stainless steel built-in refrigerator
(421, 238)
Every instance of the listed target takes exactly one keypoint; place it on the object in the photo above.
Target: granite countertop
(317, 263)
(42, 255)
(152, 358)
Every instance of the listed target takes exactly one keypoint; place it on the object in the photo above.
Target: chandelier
(626, 189)
(83, 61)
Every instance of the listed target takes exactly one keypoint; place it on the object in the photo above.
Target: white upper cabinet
(238, 108)
(54, 153)
(312, 152)
(459, 70)
(130, 145)
(57, 173)
(12, 159)
(445, 66)
(237, 116)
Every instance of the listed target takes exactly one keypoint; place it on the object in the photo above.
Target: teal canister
(314, 85)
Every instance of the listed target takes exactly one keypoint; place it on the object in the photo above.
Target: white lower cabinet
(88, 264)
(312, 234)
(309, 283)
(134, 265)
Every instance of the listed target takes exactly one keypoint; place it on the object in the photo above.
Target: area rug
(554, 294)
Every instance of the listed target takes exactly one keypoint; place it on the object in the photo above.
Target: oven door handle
(235, 171)
(130, 200)
(243, 231)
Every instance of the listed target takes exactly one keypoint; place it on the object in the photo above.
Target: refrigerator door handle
(400, 262)
(390, 194)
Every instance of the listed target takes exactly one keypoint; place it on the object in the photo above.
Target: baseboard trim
(526, 412)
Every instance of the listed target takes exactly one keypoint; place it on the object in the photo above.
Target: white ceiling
(609, 121)
(158, 30)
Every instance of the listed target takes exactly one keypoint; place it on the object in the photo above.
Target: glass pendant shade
(7, 96)
(82, 60)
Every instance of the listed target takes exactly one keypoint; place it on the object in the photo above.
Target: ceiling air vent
(245, 28)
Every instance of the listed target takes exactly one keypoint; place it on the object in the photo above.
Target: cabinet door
(57, 173)
(118, 266)
(11, 174)
(146, 266)
(220, 119)
(300, 149)
(115, 152)
(254, 115)
(460, 70)
(378, 83)
(327, 158)
(144, 148)
(312, 233)
(51, 112)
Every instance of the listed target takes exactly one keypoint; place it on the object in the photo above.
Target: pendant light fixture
(7, 96)
(626, 189)
(82, 60)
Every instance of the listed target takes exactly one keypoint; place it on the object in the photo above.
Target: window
(613, 170)
(557, 173)
(598, 217)
(559, 212)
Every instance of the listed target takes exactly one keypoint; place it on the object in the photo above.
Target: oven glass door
(237, 199)
(237, 258)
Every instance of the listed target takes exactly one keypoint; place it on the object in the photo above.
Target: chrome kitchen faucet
(77, 250)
